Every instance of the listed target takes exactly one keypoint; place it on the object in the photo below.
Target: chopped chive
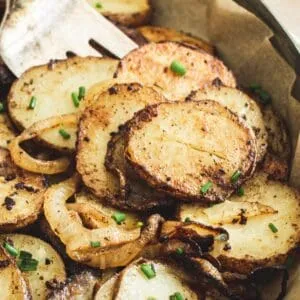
(1, 107)
(119, 217)
(178, 68)
(273, 227)
(95, 244)
(28, 264)
(139, 224)
(235, 177)
(75, 99)
(10, 249)
(187, 219)
(32, 102)
(263, 96)
(98, 5)
(64, 134)
(81, 92)
(176, 296)
(241, 191)
(179, 251)
(206, 187)
(148, 271)
(25, 255)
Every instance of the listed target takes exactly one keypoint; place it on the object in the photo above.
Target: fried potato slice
(115, 107)
(7, 132)
(243, 106)
(50, 265)
(106, 290)
(135, 193)
(125, 12)
(133, 283)
(21, 193)
(191, 150)
(253, 242)
(13, 285)
(158, 34)
(278, 157)
(151, 66)
(80, 286)
(52, 85)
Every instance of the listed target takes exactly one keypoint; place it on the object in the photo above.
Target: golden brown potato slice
(278, 157)
(80, 286)
(243, 106)
(263, 225)
(168, 280)
(195, 151)
(7, 132)
(20, 193)
(162, 34)
(124, 12)
(106, 290)
(116, 106)
(151, 66)
(50, 265)
(13, 285)
(52, 86)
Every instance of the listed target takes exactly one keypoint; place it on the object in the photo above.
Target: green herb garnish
(25, 255)
(11, 249)
(176, 296)
(273, 227)
(206, 187)
(28, 264)
(241, 191)
(32, 102)
(235, 177)
(263, 96)
(98, 5)
(178, 68)
(179, 251)
(75, 99)
(148, 270)
(119, 217)
(64, 134)
(81, 92)
(187, 219)
(95, 244)
(1, 107)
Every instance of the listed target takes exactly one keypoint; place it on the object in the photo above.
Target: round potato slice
(151, 66)
(13, 285)
(195, 151)
(115, 107)
(134, 284)
(50, 265)
(124, 12)
(243, 106)
(162, 34)
(21, 195)
(106, 290)
(263, 225)
(52, 86)
(7, 132)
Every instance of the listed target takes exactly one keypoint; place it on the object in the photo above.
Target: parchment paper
(243, 42)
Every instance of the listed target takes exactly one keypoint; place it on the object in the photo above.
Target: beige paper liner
(243, 42)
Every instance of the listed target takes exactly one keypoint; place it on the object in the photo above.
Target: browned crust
(150, 112)
(131, 20)
(148, 200)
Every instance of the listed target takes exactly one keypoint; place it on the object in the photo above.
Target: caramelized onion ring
(27, 162)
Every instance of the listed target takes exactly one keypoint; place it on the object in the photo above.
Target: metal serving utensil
(35, 31)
